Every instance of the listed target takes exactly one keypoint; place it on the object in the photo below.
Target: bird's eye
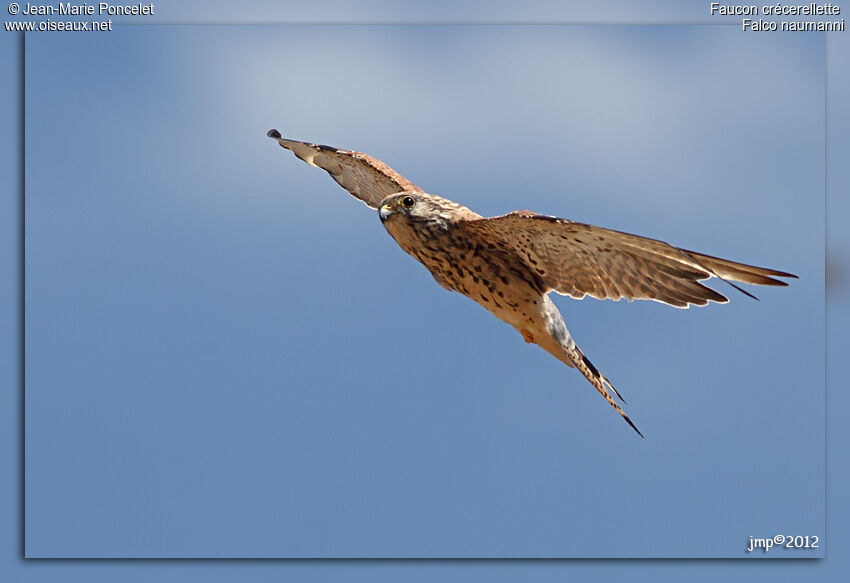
(407, 202)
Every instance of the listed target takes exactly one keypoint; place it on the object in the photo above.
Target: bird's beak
(386, 212)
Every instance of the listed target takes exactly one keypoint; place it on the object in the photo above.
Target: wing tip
(772, 281)
(777, 273)
(273, 133)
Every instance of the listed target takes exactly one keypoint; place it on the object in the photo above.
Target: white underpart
(554, 321)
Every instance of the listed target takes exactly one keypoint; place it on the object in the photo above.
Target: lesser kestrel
(509, 264)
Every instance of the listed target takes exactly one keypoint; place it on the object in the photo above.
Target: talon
(527, 336)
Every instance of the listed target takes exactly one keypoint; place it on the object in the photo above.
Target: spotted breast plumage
(510, 263)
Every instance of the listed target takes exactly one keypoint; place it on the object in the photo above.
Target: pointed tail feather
(600, 383)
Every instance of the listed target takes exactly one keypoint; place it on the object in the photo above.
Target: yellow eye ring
(407, 202)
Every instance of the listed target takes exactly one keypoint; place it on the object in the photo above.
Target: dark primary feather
(739, 271)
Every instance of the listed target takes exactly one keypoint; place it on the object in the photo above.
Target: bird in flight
(509, 264)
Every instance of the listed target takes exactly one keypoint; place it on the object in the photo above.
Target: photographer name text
(86, 9)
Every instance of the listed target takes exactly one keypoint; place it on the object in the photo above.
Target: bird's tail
(551, 335)
(601, 384)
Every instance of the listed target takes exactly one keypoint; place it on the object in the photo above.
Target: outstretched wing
(576, 259)
(363, 176)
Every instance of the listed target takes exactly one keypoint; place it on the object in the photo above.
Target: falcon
(509, 264)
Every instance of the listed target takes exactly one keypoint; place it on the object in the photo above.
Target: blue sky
(210, 366)
(290, 384)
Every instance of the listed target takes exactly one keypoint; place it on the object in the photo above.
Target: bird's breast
(486, 273)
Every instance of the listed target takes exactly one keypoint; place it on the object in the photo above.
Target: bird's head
(412, 211)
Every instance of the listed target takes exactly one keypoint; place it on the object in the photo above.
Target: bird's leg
(527, 335)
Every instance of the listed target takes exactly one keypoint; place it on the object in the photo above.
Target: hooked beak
(385, 212)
